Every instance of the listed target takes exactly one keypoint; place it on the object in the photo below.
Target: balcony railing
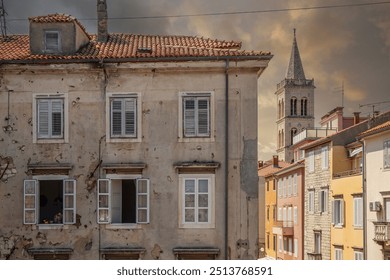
(313, 133)
(314, 256)
(347, 173)
(382, 231)
(287, 227)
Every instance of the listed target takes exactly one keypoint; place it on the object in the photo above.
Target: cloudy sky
(349, 45)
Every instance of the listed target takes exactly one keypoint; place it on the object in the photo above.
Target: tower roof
(295, 68)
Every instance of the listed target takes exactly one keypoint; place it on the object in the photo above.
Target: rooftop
(16, 48)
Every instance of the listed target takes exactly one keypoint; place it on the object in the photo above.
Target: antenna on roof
(341, 90)
(374, 112)
(3, 24)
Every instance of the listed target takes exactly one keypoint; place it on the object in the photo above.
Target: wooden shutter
(43, 118)
(104, 201)
(203, 117)
(189, 117)
(30, 191)
(333, 212)
(130, 117)
(69, 211)
(57, 116)
(143, 201)
(342, 212)
(116, 117)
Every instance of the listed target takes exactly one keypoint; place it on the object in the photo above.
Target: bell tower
(295, 104)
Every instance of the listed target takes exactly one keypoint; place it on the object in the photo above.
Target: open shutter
(43, 118)
(57, 117)
(342, 212)
(30, 191)
(333, 212)
(104, 191)
(203, 117)
(189, 117)
(69, 211)
(143, 201)
(116, 117)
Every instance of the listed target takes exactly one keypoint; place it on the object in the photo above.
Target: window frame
(46, 45)
(136, 137)
(108, 194)
(38, 137)
(197, 137)
(311, 198)
(123, 111)
(358, 255)
(311, 161)
(317, 242)
(338, 208)
(386, 154)
(36, 209)
(323, 201)
(295, 184)
(211, 200)
(325, 158)
(358, 213)
(338, 253)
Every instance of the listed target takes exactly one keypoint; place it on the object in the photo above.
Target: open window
(49, 201)
(123, 201)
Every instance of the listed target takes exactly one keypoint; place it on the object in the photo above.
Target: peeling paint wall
(86, 91)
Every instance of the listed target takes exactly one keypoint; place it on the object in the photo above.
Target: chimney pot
(356, 117)
(261, 163)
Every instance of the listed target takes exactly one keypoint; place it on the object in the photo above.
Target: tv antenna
(341, 90)
(373, 106)
(3, 23)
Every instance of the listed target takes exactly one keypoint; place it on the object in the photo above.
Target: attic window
(52, 41)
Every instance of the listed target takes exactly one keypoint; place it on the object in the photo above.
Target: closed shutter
(69, 211)
(143, 201)
(57, 117)
(116, 117)
(104, 197)
(203, 117)
(43, 118)
(130, 117)
(30, 191)
(189, 117)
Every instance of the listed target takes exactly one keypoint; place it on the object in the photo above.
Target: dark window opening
(50, 201)
(124, 197)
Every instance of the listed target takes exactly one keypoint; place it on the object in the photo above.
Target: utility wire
(237, 13)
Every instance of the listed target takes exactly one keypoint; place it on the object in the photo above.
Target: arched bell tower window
(293, 133)
(304, 106)
(293, 106)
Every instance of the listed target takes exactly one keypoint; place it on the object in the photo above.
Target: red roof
(268, 169)
(376, 129)
(16, 48)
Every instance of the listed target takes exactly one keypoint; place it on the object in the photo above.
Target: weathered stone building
(127, 146)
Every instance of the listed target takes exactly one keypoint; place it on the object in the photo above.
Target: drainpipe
(226, 157)
(364, 201)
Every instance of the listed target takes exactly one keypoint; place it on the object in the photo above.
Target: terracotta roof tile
(16, 48)
(269, 169)
(378, 128)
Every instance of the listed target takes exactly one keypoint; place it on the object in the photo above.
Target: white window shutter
(189, 117)
(69, 211)
(341, 212)
(130, 117)
(57, 117)
(116, 117)
(43, 118)
(104, 201)
(143, 208)
(333, 212)
(30, 191)
(203, 117)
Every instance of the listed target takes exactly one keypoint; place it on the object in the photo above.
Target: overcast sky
(348, 45)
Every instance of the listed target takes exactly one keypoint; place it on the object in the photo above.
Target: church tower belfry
(295, 104)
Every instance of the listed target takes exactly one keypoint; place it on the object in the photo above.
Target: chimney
(356, 117)
(261, 164)
(102, 32)
(275, 161)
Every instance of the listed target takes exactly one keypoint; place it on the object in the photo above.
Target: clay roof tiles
(15, 48)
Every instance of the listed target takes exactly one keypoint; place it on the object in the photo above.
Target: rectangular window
(358, 212)
(324, 157)
(289, 216)
(296, 248)
(338, 212)
(196, 116)
(311, 201)
(280, 214)
(284, 187)
(274, 242)
(52, 41)
(295, 215)
(197, 201)
(280, 188)
(123, 117)
(49, 201)
(123, 201)
(280, 245)
(50, 118)
(290, 246)
(358, 255)
(338, 253)
(323, 201)
(386, 154)
(295, 184)
(268, 245)
(289, 185)
(317, 242)
(311, 162)
(267, 213)
(284, 216)
(285, 245)
(274, 212)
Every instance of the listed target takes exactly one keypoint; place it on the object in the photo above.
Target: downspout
(226, 158)
(364, 201)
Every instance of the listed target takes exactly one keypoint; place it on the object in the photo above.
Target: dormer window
(52, 41)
